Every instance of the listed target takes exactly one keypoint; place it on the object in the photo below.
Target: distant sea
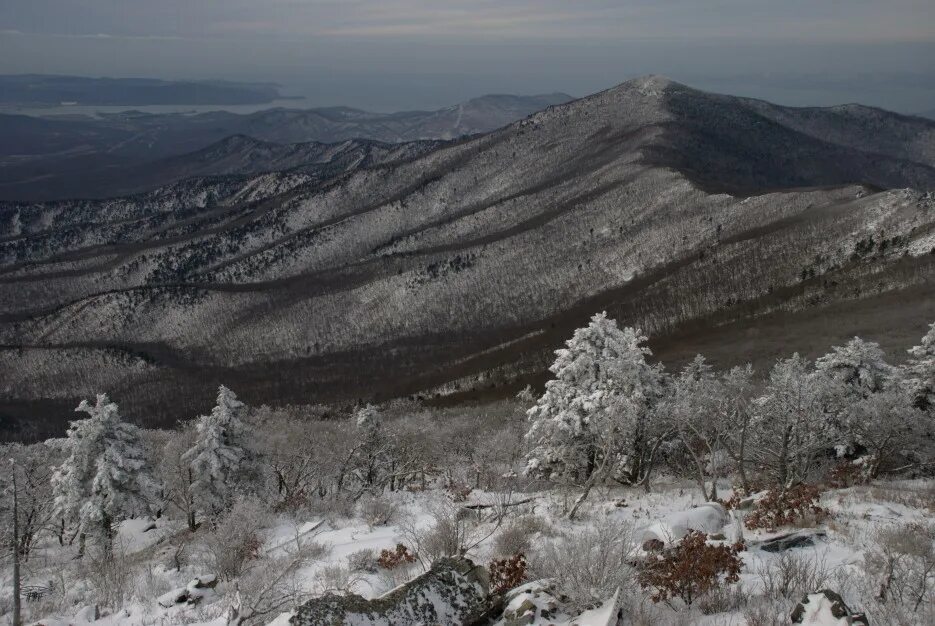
(191, 109)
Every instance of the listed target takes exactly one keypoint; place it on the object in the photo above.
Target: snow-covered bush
(110, 573)
(449, 533)
(589, 564)
(362, 561)
(792, 575)
(903, 561)
(235, 540)
(377, 510)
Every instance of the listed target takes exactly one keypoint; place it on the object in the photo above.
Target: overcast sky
(393, 54)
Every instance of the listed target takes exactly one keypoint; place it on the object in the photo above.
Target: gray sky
(392, 54)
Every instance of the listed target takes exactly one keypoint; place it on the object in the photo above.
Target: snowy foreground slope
(716, 224)
(836, 559)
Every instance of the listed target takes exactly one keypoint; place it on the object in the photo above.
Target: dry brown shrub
(391, 559)
(690, 569)
(506, 574)
(784, 507)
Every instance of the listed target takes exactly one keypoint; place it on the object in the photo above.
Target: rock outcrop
(453, 592)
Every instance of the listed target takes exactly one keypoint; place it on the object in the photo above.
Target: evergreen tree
(596, 410)
(105, 476)
(220, 459)
(859, 368)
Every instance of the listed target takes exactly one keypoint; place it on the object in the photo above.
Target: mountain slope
(459, 270)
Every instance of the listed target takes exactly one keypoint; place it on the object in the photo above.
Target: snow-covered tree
(105, 476)
(371, 456)
(734, 410)
(884, 424)
(220, 459)
(595, 412)
(859, 368)
(691, 407)
(790, 426)
(919, 372)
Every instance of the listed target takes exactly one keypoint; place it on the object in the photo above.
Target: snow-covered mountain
(55, 157)
(456, 269)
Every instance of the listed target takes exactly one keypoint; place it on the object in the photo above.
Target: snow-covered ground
(146, 549)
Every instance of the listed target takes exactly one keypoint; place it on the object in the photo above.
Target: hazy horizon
(409, 54)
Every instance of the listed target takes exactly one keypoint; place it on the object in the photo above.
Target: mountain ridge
(458, 270)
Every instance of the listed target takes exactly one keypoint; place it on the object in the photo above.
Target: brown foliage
(690, 569)
(783, 507)
(459, 493)
(506, 574)
(391, 559)
(847, 474)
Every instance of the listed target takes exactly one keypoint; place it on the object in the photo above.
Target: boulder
(709, 518)
(192, 593)
(533, 603)
(826, 608)
(800, 539)
(454, 591)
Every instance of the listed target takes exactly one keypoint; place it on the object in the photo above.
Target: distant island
(49, 90)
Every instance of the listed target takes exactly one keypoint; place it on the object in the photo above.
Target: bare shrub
(590, 564)
(782, 507)
(272, 585)
(109, 573)
(765, 612)
(235, 540)
(362, 561)
(691, 569)
(512, 540)
(336, 578)
(722, 600)
(450, 533)
(377, 510)
(904, 557)
(791, 576)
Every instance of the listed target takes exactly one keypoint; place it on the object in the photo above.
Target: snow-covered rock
(710, 518)
(825, 608)
(192, 593)
(454, 591)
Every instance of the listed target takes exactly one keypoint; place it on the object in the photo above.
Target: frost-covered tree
(33, 465)
(919, 372)
(691, 407)
(596, 411)
(884, 424)
(371, 456)
(790, 425)
(220, 460)
(859, 368)
(105, 476)
(734, 410)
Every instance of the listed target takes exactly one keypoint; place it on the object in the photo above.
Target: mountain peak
(650, 85)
